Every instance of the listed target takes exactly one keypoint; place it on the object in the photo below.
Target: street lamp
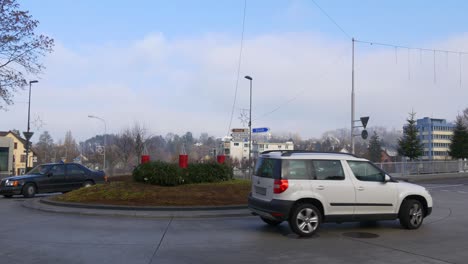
(28, 134)
(250, 126)
(105, 132)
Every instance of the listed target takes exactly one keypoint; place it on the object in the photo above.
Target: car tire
(270, 221)
(29, 190)
(411, 214)
(305, 220)
(87, 184)
(7, 195)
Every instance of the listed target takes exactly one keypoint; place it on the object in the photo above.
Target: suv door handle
(360, 188)
(320, 187)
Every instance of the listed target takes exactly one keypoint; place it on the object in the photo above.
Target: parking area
(30, 236)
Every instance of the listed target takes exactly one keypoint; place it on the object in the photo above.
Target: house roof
(22, 140)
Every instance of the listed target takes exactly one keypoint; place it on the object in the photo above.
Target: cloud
(188, 84)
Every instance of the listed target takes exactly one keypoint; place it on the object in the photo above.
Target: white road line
(462, 192)
(445, 186)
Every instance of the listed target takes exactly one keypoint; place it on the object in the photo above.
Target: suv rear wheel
(411, 214)
(270, 221)
(305, 220)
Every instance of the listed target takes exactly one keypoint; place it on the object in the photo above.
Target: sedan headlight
(13, 183)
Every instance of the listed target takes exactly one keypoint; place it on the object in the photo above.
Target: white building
(240, 150)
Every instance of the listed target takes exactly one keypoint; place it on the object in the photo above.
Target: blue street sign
(260, 130)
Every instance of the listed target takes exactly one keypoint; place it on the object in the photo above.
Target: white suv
(308, 188)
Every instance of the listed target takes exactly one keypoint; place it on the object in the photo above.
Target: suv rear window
(268, 168)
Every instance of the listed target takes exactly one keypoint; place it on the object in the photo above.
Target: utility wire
(411, 48)
(238, 68)
(331, 19)
(338, 59)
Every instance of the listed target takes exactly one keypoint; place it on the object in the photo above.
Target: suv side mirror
(387, 178)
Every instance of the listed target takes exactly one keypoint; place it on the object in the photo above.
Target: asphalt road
(30, 236)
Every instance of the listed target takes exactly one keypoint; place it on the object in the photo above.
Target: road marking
(462, 192)
(445, 186)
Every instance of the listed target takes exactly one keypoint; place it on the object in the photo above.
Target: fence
(423, 167)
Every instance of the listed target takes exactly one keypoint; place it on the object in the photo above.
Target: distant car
(48, 178)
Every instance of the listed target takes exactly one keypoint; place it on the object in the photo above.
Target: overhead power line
(411, 48)
(331, 19)
(238, 68)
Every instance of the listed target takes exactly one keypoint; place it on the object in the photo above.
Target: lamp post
(28, 134)
(250, 126)
(105, 135)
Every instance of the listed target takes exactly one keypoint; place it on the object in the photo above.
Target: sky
(171, 66)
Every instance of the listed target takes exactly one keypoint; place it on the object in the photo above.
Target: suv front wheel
(411, 214)
(305, 220)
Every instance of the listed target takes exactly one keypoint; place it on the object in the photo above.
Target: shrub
(207, 172)
(158, 173)
(169, 174)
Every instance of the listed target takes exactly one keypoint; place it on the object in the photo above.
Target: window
(296, 169)
(260, 146)
(16, 145)
(246, 145)
(75, 170)
(365, 171)
(268, 168)
(4, 159)
(236, 144)
(58, 170)
(328, 170)
(312, 170)
(23, 158)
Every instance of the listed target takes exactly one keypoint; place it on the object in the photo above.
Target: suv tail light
(280, 186)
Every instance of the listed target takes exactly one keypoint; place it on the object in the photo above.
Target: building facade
(240, 149)
(15, 146)
(435, 135)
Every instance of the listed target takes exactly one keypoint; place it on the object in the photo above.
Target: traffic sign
(364, 134)
(240, 130)
(260, 130)
(364, 121)
(28, 135)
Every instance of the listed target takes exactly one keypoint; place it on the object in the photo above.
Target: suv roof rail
(290, 152)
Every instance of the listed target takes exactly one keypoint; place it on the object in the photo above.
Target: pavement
(34, 236)
(46, 204)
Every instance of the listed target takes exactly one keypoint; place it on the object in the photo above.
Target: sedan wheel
(29, 190)
(87, 184)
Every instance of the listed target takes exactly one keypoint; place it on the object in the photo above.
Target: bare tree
(20, 49)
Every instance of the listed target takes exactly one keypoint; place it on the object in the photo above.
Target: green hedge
(169, 174)
(158, 173)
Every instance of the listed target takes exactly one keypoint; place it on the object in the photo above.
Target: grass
(123, 191)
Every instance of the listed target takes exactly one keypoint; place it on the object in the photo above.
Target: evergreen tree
(409, 144)
(459, 144)
(375, 148)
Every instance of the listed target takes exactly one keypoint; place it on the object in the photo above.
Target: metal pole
(105, 136)
(352, 100)
(27, 139)
(250, 131)
(105, 145)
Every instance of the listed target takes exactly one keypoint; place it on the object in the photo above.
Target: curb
(38, 204)
(48, 201)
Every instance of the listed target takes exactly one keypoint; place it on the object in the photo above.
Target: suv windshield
(41, 169)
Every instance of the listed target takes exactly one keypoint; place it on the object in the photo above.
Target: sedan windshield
(41, 169)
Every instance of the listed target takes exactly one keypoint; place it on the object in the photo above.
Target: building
(240, 149)
(13, 154)
(435, 134)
